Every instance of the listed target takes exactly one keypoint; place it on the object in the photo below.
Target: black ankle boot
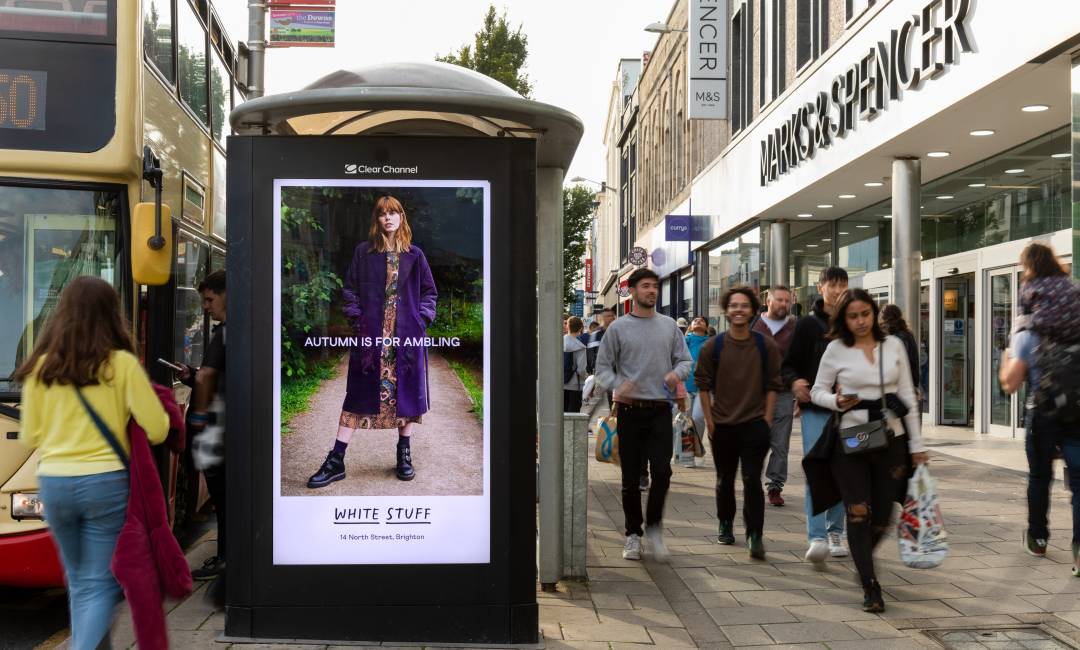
(726, 535)
(333, 469)
(404, 462)
(872, 600)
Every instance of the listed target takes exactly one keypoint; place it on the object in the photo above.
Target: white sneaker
(816, 554)
(836, 545)
(656, 544)
(632, 550)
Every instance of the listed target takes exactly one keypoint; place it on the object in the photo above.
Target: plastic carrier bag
(607, 438)
(921, 530)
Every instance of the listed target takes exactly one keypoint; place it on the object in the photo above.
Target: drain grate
(1017, 638)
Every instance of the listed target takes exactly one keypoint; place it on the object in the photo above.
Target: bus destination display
(22, 99)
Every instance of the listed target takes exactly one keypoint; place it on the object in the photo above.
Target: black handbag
(874, 435)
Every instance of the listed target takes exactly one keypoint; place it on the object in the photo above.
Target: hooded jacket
(808, 344)
(574, 346)
(148, 562)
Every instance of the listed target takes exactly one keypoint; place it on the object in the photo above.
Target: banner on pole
(294, 27)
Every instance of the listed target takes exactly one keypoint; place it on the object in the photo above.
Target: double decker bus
(96, 97)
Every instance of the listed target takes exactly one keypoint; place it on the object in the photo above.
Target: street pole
(549, 407)
(256, 48)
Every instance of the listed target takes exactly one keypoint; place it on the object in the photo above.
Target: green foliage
(577, 216)
(458, 317)
(473, 387)
(308, 286)
(297, 391)
(496, 52)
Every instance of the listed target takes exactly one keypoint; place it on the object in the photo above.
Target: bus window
(217, 259)
(194, 208)
(48, 236)
(219, 97)
(37, 18)
(192, 257)
(191, 41)
(217, 220)
(158, 36)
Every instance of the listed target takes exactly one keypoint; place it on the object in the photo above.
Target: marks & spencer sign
(917, 52)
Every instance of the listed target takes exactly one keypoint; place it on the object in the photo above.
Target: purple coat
(364, 294)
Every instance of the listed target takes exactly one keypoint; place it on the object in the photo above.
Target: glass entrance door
(1005, 412)
(957, 349)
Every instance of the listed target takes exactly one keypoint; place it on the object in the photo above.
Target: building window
(735, 261)
(855, 8)
(811, 31)
(158, 37)
(742, 67)
(773, 48)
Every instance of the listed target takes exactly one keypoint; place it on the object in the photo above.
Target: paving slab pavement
(712, 596)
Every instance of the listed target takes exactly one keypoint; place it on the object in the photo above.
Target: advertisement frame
(492, 603)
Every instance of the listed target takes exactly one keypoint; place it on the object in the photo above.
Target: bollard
(575, 493)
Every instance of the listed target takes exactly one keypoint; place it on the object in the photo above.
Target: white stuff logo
(360, 168)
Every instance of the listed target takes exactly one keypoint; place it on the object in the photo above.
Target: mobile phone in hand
(849, 396)
(170, 364)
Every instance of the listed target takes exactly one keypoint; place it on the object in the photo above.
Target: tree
(577, 215)
(496, 52)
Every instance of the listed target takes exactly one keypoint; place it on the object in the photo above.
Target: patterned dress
(387, 416)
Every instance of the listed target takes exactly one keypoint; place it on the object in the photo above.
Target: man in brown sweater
(778, 324)
(738, 385)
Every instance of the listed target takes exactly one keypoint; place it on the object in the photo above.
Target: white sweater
(848, 368)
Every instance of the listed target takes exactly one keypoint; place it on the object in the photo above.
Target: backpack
(567, 367)
(759, 341)
(1057, 394)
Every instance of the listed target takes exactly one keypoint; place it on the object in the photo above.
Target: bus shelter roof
(414, 99)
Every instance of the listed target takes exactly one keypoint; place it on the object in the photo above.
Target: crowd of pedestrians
(843, 369)
(849, 370)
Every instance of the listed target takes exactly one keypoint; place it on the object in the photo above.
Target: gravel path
(447, 448)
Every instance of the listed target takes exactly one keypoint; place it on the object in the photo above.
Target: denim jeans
(1042, 435)
(85, 514)
(832, 520)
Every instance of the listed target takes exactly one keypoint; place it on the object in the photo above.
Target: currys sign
(907, 60)
(677, 227)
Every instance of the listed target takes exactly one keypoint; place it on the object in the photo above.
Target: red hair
(380, 243)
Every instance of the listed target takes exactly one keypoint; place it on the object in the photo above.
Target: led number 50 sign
(22, 99)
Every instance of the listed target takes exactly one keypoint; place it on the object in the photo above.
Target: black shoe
(727, 535)
(404, 463)
(333, 469)
(643, 483)
(211, 568)
(755, 545)
(872, 600)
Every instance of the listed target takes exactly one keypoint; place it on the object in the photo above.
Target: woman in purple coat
(390, 301)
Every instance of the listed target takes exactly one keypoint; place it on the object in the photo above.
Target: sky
(574, 48)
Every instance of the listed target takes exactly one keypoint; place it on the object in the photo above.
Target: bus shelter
(331, 331)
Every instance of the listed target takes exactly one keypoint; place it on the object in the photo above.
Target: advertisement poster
(381, 346)
(310, 27)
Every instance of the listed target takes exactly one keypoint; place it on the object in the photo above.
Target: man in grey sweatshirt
(643, 357)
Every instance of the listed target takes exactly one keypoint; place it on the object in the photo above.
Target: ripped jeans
(869, 484)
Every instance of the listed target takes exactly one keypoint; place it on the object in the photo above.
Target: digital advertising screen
(381, 350)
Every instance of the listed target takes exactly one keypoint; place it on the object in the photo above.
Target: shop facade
(921, 151)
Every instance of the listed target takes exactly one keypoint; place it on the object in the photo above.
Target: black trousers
(215, 484)
(644, 432)
(571, 401)
(869, 484)
(745, 443)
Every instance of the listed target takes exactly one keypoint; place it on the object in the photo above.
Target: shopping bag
(921, 530)
(607, 438)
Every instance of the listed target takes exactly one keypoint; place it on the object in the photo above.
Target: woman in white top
(849, 381)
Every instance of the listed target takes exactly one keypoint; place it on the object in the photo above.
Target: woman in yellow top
(86, 347)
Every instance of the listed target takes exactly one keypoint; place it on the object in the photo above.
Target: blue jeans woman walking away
(86, 353)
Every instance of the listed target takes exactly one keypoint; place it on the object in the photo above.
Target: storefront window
(864, 241)
(735, 261)
(686, 306)
(811, 252)
(1017, 194)
(48, 237)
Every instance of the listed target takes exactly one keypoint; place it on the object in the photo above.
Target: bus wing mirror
(151, 265)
